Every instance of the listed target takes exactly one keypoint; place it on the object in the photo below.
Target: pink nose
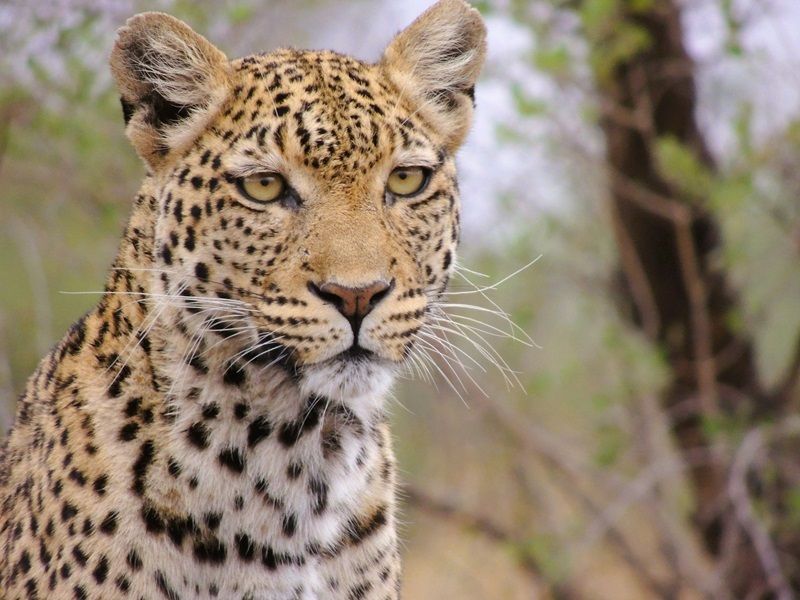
(353, 303)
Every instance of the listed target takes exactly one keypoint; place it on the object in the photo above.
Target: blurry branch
(461, 517)
(703, 355)
(744, 458)
(637, 278)
(782, 393)
(573, 472)
(678, 547)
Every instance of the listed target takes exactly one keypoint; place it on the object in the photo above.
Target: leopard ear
(172, 81)
(436, 60)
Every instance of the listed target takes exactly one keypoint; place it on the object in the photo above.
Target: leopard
(217, 425)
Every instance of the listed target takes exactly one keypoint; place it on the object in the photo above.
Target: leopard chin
(361, 381)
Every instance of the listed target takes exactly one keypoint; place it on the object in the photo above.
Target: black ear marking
(127, 110)
(163, 112)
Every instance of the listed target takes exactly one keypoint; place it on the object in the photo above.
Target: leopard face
(306, 209)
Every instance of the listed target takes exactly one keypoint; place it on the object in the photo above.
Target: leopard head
(314, 193)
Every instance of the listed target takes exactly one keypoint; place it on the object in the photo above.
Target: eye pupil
(402, 175)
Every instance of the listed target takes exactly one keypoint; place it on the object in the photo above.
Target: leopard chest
(236, 492)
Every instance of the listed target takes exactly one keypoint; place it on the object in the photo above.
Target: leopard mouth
(357, 354)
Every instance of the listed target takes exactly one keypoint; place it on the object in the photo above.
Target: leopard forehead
(327, 112)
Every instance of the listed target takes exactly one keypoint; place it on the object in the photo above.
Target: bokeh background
(646, 152)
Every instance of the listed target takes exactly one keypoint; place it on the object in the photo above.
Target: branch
(782, 393)
(462, 517)
(537, 440)
(705, 371)
(745, 513)
(641, 291)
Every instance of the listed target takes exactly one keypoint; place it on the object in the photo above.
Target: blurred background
(647, 152)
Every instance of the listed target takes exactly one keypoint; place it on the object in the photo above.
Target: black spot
(101, 570)
(448, 258)
(268, 558)
(25, 562)
(174, 468)
(240, 410)
(153, 521)
(134, 560)
(211, 411)
(210, 550)
(201, 271)
(77, 476)
(359, 591)
(294, 470)
(245, 547)
(319, 490)
(80, 555)
(123, 583)
(289, 524)
(68, 511)
(132, 407)
(88, 527)
(234, 375)
(212, 520)
(166, 589)
(258, 430)
(109, 524)
(188, 243)
(233, 459)
(178, 527)
(177, 210)
(128, 431)
(198, 435)
(143, 461)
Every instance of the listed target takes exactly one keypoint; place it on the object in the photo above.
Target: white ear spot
(436, 60)
(171, 80)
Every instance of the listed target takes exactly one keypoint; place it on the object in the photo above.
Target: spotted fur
(213, 428)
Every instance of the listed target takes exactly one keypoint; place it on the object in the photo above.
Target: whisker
(433, 363)
(495, 285)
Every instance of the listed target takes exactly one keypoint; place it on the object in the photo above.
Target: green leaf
(239, 13)
(555, 61)
(681, 166)
(610, 445)
(527, 106)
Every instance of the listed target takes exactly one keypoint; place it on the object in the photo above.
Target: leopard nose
(354, 303)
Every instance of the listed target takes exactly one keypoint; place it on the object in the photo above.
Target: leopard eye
(408, 181)
(262, 187)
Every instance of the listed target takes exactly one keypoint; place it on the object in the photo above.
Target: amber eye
(407, 181)
(262, 187)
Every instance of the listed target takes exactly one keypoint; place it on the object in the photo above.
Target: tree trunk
(675, 293)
